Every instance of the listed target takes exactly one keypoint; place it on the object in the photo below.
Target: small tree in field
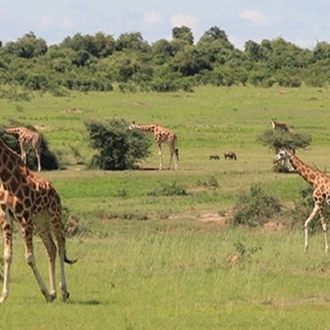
(117, 147)
(276, 139)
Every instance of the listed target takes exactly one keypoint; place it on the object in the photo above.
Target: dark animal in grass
(230, 155)
(215, 157)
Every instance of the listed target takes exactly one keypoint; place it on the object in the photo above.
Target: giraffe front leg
(160, 157)
(29, 257)
(6, 224)
(310, 218)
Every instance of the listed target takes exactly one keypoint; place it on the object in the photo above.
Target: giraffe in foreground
(35, 204)
(321, 189)
(161, 135)
(27, 139)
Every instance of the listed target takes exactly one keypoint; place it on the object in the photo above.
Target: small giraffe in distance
(27, 139)
(321, 189)
(34, 203)
(279, 126)
(161, 135)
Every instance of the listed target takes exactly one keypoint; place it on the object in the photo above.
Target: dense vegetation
(96, 62)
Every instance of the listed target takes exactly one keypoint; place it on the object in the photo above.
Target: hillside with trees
(97, 62)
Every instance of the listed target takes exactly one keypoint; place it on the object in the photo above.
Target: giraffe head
(283, 154)
(273, 122)
(133, 125)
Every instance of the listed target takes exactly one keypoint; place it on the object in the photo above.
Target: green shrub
(255, 207)
(117, 147)
(172, 189)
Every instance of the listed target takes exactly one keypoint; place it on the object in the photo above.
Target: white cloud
(186, 20)
(254, 16)
(152, 17)
(67, 23)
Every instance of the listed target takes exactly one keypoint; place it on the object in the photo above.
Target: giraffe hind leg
(6, 224)
(324, 229)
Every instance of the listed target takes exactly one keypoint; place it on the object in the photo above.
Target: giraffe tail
(177, 153)
(68, 261)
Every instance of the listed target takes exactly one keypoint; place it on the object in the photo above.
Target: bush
(117, 147)
(255, 207)
(172, 189)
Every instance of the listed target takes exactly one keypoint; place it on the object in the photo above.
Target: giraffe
(34, 203)
(321, 189)
(161, 135)
(279, 126)
(27, 139)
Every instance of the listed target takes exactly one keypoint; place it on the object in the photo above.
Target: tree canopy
(96, 62)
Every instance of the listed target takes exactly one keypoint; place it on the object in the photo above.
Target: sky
(303, 22)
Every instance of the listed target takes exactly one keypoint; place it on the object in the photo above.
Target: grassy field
(148, 261)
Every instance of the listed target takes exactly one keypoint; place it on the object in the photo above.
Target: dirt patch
(214, 217)
(72, 110)
(273, 226)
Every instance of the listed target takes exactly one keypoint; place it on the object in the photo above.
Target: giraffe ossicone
(161, 135)
(321, 190)
(35, 204)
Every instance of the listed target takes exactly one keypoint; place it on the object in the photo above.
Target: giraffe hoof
(65, 296)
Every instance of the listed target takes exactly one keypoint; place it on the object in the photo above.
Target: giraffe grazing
(27, 139)
(231, 155)
(321, 189)
(34, 203)
(279, 126)
(161, 135)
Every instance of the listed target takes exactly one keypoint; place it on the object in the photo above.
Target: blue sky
(303, 22)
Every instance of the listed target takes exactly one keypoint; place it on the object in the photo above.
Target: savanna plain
(149, 261)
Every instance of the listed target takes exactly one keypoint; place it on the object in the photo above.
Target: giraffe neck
(14, 131)
(147, 128)
(306, 172)
(12, 170)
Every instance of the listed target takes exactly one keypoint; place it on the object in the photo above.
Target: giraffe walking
(161, 135)
(27, 139)
(35, 204)
(321, 189)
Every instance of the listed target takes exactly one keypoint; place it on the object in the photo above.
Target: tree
(276, 139)
(183, 34)
(117, 147)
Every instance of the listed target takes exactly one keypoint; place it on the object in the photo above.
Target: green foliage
(172, 189)
(255, 207)
(117, 147)
(276, 139)
(96, 62)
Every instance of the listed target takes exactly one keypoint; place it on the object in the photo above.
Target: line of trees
(96, 62)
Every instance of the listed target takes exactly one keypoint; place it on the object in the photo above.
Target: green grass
(150, 261)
